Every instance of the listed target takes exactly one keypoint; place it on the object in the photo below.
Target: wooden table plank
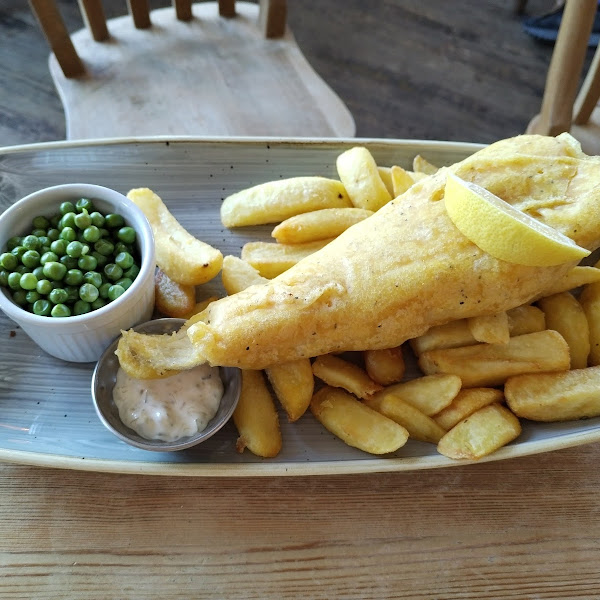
(524, 528)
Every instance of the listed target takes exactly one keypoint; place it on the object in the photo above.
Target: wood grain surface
(526, 528)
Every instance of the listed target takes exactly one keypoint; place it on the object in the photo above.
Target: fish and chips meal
(472, 271)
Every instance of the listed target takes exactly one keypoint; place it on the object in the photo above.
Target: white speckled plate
(46, 413)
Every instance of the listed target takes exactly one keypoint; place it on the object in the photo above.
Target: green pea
(59, 247)
(55, 220)
(88, 292)
(73, 277)
(22, 269)
(40, 223)
(13, 242)
(60, 310)
(121, 247)
(75, 249)
(44, 241)
(30, 242)
(39, 272)
(103, 289)
(126, 235)
(114, 220)
(72, 294)
(124, 260)
(20, 297)
(69, 234)
(101, 260)
(132, 272)
(68, 220)
(104, 247)
(38, 233)
(91, 234)
(31, 258)
(115, 291)
(104, 233)
(66, 207)
(54, 271)
(124, 282)
(48, 257)
(68, 261)
(28, 281)
(53, 234)
(18, 251)
(93, 278)
(14, 280)
(97, 219)
(58, 296)
(32, 296)
(88, 262)
(98, 303)
(84, 204)
(43, 287)
(8, 260)
(113, 271)
(4, 277)
(42, 307)
(83, 220)
(81, 307)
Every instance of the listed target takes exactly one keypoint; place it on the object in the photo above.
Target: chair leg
(93, 15)
(590, 92)
(140, 12)
(56, 33)
(565, 68)
(272, 17)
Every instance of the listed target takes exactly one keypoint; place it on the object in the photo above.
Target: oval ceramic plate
(47, 416)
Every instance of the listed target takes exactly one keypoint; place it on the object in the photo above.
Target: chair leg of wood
(565, 67)
(140, 12)
(272, 17)
(590, 92)
(183, 9)
(93, 15)
(56, 33)
(227, 8)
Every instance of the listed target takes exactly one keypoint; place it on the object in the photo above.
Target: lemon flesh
(503, 231)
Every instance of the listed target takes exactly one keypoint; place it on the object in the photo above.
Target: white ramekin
(82, 338)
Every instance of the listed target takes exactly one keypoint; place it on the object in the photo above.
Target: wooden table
(522, 529)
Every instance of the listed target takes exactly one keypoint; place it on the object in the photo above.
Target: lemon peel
(504, 231)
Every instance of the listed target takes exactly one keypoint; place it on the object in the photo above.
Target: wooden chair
(205, 69)
(563, 108)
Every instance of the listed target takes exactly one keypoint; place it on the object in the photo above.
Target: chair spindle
(272, 16)
(56, 33)
(95, 20)
(227, 8)
(183, 9)
(140, 12)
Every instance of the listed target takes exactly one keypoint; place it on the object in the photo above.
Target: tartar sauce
(171, 408)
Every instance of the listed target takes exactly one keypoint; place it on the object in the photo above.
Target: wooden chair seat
(566, 106)
(207, 75)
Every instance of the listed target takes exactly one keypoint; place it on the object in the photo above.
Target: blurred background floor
(459, 70)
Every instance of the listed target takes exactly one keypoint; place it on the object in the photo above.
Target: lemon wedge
(503, 231)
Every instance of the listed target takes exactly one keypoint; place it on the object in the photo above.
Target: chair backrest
(563, 108)
(272, 19)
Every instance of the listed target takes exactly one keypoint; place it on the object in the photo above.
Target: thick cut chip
(356, 424)
(490, 329)
(565, 315)
(422, 165)
(481, 433)
(237, 275)
(200, 306)
(271, 259)
(256, 418)
(574, 278)
(179, 254)
(590, 302)
(358, 171)
(401, 180)
(466, 403)
(525, 319)
(337, 372)
(491, 364)
(293, 384)
(419, 425)
(323, 224)
(555, 396)
(385, 366)
(276, 201)
(430, 394)
(173, 299)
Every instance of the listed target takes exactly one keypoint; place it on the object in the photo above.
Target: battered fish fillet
(407, 268)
